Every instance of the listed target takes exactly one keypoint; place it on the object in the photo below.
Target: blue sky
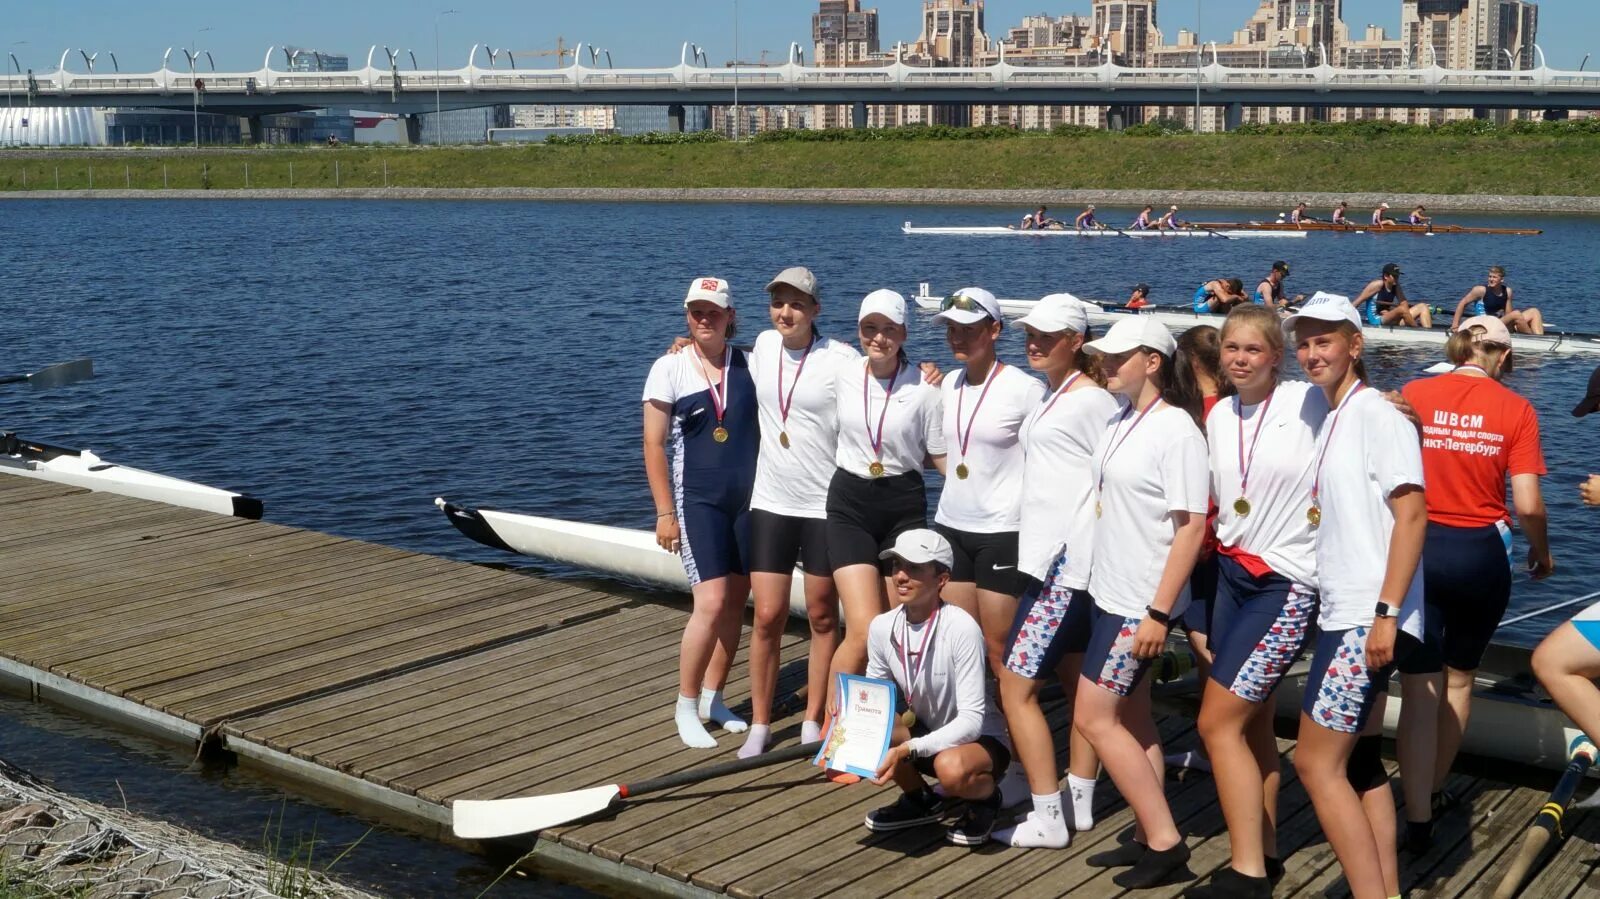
(638, 32)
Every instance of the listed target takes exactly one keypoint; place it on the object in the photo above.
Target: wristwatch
(1385, 610)
(1158, 616)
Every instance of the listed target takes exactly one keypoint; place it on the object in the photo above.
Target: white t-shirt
(1146, 472)
(1284, 445)
(912, 428)
(793, 480)
(949, 697)
(1059, 440)
(1371, 450)
(989, 499)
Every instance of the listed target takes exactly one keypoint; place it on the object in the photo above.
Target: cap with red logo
(709, 290)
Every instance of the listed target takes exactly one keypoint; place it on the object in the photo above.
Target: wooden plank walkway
(408, 681)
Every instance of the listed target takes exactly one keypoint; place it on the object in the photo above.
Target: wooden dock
(396, 682)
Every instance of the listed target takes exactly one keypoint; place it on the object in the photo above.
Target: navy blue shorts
(1052, 622)
(1197, 619)
(1260, 625)
(1340, 689)
(714, 531)
(1466, 586)
(1108, 659)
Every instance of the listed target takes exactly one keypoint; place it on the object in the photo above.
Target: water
(349, 361)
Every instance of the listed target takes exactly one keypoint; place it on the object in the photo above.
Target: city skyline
(238, 37)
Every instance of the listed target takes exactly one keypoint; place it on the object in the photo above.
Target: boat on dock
(1179, 318)
(82, 468)
(1279, 227)
(1226, 233)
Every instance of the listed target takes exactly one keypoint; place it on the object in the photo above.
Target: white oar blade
(63, 373)
(484, 819)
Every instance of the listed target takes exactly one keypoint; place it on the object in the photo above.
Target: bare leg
(964, 596)
(1320, 759)
(1453, 715)
(1124, 745)
(995, 613)
(697, 655)
(862, 598)
(1418, 741)
(730, 618)
(1081, 761)
(1422, 315)
(1241, 788)
(1264, 746)
(822, 611)
(1567, 663)
(772, 614)
(1030, 732)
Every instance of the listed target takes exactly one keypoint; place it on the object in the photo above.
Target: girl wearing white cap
(1169, 222)
(794, 368)
(704, 403)
(890, 428)
(1366, 504)
(979, 511)
(1051, 626)
(1151, 492)
(1476, 433)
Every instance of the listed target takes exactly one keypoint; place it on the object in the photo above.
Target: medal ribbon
(1111, 448)
(785, 402)
(866, 408)
(921, 653)
(1255, 440)
(1316, 481)
(719, 390)
(961, 395)
(1064, 388)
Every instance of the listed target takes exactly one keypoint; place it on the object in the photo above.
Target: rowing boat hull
(1274, 227)
(1000, 231)
(1178, 319)
(618, 552)
(82, 468)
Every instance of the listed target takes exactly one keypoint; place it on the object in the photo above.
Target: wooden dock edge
(39, 685)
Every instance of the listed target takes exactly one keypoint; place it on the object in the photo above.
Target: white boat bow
(82, 468)
(1152, 234)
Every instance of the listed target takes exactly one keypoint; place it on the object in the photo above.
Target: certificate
(858, 737)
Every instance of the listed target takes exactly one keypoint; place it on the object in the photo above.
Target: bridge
(382, 85)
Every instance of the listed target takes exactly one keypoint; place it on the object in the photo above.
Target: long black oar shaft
(1546, 825)
(695, 775)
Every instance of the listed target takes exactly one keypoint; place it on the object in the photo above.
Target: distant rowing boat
(1179, 318)
(82, 468)
(1001, 231)
(1352, 228)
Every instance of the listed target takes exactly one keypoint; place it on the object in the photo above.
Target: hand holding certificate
(857, 740)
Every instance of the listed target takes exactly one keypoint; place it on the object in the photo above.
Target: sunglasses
(962, 302)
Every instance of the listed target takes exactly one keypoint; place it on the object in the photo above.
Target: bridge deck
(383, 676)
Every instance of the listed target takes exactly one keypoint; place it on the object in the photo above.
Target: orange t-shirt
(1475, 432)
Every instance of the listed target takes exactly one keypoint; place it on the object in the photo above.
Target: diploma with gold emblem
(858, 737)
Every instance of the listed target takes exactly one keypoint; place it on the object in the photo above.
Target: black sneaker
(1419, 837)
(1228, 883)
(976, 823)
(910, 810)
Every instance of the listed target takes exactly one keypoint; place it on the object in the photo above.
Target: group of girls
(1077, 509)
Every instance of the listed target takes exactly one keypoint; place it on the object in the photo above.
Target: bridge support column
(675, 117)
(858, 115)
(255, 135)
(1118, 117)
(1557, 115)
(1480, 112)
(1233, 117)
(411, 128)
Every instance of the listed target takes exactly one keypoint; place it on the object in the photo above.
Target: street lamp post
(11, 122)
(1199, 50)
(438, 129)
(735, 69)
(194, 87)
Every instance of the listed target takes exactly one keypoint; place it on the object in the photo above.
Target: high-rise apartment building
(1127, 30)
(843, 34)
(1470, 34)
(952, 35)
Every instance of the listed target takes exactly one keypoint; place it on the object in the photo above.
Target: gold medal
(1314, 515)
(1099, 510)
(783, 439)
(908, 718)
(1241, 507)
(961, 471)
(720, 435)
(875, 469)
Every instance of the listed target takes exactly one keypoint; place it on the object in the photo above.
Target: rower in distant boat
(1086, 220)
(1039, 221)
(1380, 216)
(1300, 215)
(1383, 302)
(1142, 223)
(1341, 213)
(1419, 216)
(1493, 297)
(1170, 220)
(1270, 291)
(1219, 295)
(1140, 297)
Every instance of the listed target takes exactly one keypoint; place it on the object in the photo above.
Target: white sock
(690, 730)
(1082, 789)
(810, 732)
(1042, 829)
(713, 709)
(756, 742)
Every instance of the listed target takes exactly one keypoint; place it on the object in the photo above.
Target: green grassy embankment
(1533, 165)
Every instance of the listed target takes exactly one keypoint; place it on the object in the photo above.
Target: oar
(55, 375)
(1547, 824)
(1547, 609)
(478, 819)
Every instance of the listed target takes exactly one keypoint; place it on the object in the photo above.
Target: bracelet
(665, 514)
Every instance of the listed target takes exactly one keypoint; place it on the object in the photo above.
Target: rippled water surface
(349, 361)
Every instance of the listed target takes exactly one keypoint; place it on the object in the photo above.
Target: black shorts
(1202, 596)
(778, 541)
(865, 515)
(999, 755)
(987, 560)
(1466, 586)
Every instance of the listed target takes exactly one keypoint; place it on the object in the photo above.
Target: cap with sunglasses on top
(967, 306)
(1281, 266)
(1132, 333)
(1391, 269)
(886, 303)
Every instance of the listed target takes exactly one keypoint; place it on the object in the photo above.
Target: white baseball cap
(799, 277)
(920, 546)
(710, 290)
(1323, 306)
(1056, 313)
(969, 305)
(886, 303)
(1133, 332)
(1383, 205)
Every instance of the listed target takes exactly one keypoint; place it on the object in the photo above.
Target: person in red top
(1475, 432)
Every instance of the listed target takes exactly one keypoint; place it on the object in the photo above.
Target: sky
(637, 32)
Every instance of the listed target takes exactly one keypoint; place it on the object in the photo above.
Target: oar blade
(63, 373)
(484, 819)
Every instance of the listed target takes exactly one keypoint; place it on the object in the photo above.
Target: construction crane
(753, 65)
(561, 52)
